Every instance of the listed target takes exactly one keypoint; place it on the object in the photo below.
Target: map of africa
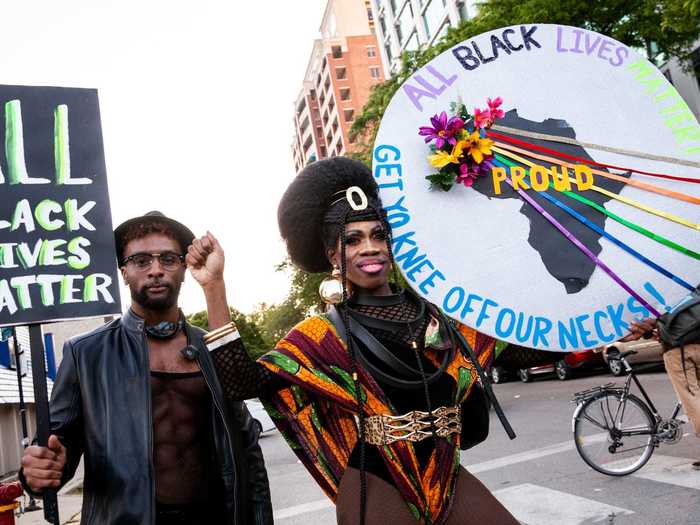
(561, 258)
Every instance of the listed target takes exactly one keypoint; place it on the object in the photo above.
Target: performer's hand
(205, 259)
(638, 329)
(43, 466)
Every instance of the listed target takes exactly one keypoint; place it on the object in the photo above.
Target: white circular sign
(496, 262)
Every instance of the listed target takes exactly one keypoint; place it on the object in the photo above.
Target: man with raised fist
(139, 398)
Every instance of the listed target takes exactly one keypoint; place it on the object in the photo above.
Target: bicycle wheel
(614, 437)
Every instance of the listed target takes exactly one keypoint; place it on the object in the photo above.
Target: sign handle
(41, 405)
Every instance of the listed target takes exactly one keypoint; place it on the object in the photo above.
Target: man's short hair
(143, 229)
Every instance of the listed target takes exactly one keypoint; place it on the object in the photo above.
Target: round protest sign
(555, 216)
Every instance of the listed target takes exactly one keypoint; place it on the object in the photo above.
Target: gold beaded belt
(412, 426)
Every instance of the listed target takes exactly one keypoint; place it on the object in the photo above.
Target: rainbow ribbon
(584, 249)
(590, 224)
(508, 151)
(639, 229)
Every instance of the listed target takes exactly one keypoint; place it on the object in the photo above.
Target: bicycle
(615, 431)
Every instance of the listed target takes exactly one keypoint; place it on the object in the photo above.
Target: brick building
(343, 66)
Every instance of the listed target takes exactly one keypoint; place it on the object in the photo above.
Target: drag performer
(371, 395)
(140, 400)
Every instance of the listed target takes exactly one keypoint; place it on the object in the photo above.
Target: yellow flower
(442, 158)
(477, 147)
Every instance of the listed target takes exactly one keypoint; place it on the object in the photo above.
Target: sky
(196, 101)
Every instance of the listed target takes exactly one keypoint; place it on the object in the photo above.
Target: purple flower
(443, 130)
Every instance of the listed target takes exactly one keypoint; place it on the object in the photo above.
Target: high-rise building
(408, 25)
(343, 66)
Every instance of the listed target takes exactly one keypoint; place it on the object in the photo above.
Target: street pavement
(538, 476)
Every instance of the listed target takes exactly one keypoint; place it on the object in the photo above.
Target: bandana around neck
(166, 329)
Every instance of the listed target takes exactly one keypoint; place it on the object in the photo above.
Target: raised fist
(205, 259)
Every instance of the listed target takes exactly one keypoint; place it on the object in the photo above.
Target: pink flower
(482, 118)
(470, 171)
(466, 175)
(494, 107)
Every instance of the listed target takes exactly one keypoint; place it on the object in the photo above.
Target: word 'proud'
(539, 178)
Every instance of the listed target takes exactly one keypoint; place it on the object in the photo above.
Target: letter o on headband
(350, 194)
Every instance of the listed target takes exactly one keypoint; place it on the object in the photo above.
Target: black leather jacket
(101, 407)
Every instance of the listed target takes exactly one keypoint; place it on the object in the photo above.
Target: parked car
(262, 419)
(648, 351)
(542, 363)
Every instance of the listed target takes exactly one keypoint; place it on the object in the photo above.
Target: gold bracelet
(221, 341)
(220, 332)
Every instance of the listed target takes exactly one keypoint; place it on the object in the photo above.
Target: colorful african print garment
(316, 414)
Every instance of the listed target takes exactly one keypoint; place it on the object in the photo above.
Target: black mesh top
(243, 378)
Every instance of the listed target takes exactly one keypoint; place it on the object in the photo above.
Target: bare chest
(166, 355)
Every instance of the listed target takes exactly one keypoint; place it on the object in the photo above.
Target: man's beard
(156, 304)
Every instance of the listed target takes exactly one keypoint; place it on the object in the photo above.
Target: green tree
(255, 343)
(301, 301)
(662, 28)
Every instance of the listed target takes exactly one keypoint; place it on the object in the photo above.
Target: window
(341, 73)
(348, 115)
(331, 104)
(387, 48)
(375, 73)
(433, 17)
(443, 30)
(382, 23)
(337, 51)
(405, 23)
(324, 152)
(412, 44)
(327, 83)
(325, 117)
(462, 10)
(335, 124)
(8, 358)
(304, 125)
(339, 147)
(345, 94)
(371, 51)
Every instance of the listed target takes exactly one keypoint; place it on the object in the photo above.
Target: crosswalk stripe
(529, 455)
(536, 505)
(672, 470)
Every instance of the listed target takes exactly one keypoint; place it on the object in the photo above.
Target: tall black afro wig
(313, 210)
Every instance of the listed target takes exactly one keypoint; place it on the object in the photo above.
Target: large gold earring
(331, 288)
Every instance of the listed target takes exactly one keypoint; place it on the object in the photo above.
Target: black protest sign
(57, 258)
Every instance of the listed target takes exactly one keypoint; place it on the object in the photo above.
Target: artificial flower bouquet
(460, 149)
